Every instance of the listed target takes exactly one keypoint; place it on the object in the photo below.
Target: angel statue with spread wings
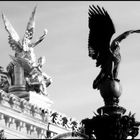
(24, 49)
(25, 56)
(105, 52)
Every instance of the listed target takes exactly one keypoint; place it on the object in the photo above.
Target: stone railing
(20, 115)
(20, 118)
(62, 120)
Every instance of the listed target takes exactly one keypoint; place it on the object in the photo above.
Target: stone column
(18, 75)
(19, 87)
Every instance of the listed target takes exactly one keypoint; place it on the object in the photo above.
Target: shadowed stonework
(110, 121)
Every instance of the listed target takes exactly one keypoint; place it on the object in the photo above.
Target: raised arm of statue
(40, 39)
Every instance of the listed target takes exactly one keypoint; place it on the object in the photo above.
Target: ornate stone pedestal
(111, 121)
(111, 110)
(19, 87)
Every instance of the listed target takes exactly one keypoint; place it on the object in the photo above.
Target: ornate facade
(21, 120)
(23, 79)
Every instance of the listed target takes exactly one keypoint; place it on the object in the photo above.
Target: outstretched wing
(101, 29)
(13, 37)
(122, 36)
(114, 47)
(29, 31)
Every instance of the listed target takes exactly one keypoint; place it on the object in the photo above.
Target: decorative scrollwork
(111, 126)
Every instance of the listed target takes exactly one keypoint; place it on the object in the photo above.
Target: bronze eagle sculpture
(100, 47)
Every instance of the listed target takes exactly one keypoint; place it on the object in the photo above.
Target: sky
(66, 50)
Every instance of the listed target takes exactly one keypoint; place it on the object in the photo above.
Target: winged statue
(25, 56)
(24, 49)
(100, 47)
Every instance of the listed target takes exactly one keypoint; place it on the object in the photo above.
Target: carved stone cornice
(32, 111)
(21, 127)
(21, 105)
(20, 115)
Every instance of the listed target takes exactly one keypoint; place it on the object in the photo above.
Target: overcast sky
(66, 51)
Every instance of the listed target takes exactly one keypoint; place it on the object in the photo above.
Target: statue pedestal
(111, 110)
(19, 91)
(111, 121)
(40, 100)
(19, 88)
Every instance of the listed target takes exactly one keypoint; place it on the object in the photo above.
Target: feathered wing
(101, 29)
(123, 36)
(13, 37)
(29, 31)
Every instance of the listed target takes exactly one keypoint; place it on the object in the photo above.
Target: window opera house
(25, 107)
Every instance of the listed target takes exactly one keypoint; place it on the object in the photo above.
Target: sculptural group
(106, 53)
(25, 58)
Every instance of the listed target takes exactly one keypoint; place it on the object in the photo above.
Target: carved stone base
(111, 123)
(17, 88)
(22, 94)
(111, 110)
(19, 91)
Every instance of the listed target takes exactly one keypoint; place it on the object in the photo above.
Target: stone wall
(22, 120)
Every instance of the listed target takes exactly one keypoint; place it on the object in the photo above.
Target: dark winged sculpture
(110, 121)
(101, 48)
